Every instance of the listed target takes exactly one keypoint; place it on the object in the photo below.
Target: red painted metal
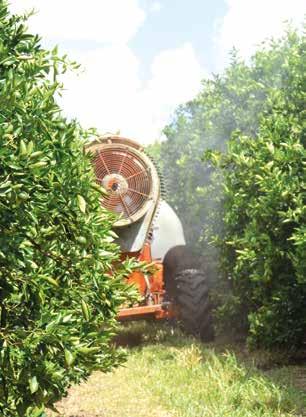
(151, 287)
(157, 311)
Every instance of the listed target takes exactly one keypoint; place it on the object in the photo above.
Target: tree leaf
(69, 358)
(81, 203)
(33, 383)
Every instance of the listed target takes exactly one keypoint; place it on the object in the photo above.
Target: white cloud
(110, 96)
(113, 21)
(249, 22)
(156, 7)
(102, 96)
(176, 78)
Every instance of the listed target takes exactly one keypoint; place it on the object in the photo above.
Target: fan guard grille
(129, 177)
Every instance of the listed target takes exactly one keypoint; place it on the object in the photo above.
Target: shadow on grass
(141, 333)
(151, 332)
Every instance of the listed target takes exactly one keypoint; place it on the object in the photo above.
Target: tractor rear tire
(187, 287)
(193, 304)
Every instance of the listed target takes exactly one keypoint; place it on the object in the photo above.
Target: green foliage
(253, 196)
(263, 245)
(236, 99)
(58, 299)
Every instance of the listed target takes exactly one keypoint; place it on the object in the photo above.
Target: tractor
(149, 230)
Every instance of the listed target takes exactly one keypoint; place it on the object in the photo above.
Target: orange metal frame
(151, 287)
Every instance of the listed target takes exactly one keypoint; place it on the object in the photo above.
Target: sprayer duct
(134, 193)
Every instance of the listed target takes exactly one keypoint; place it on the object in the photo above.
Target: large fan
(128, 175)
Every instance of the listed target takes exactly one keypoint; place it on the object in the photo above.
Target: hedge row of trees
(59, 294)
(58, 301)
(248, 196)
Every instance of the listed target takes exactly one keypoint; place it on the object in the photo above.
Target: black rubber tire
(193, 304)
(187, 287)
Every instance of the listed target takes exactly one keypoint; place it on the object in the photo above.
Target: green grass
(170, 375)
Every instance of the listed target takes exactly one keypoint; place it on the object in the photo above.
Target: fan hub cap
(115, 184)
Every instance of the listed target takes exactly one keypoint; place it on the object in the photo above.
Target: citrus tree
(235, 99)
(263, 245)
(58, 292)
(250, 194)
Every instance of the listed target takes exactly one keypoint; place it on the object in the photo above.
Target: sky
(142, 58)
